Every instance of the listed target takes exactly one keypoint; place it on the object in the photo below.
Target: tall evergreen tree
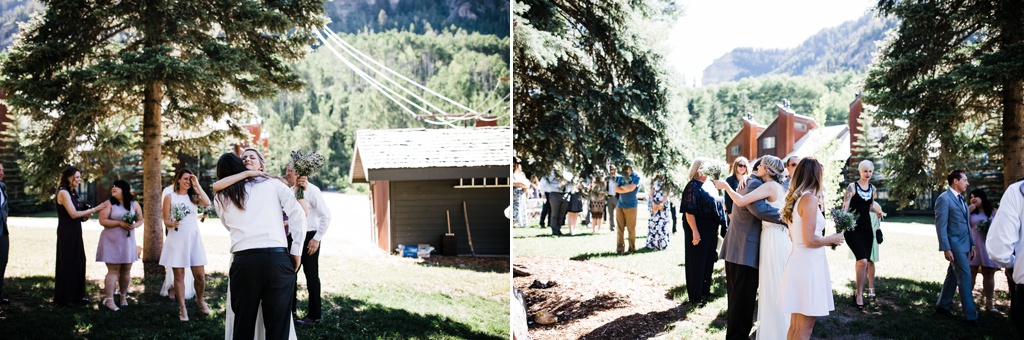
(84, 65)
(588, 86)
(950, 71)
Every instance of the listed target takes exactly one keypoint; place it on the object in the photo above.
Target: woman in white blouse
(261, 269)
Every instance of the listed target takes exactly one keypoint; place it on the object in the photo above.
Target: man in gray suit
(740, 252)
(951, 216)
(5, 239)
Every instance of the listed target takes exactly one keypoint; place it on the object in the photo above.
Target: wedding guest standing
(318, 218)
(625, 213)
(657, 225)
(613, 197)
(598, 200)
(262, 270)
(859, 198)
(806, 285)
(1005, 244)
(5, 239)
(700, 230)
(575, 207)
(953, 231)
(876, 224)
(117, 247)
(519, 185)
(982, 210)
(69, 279)
(183, 247)
(737, 179)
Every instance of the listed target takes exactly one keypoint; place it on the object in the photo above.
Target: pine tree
(951, 71)
(84, 66)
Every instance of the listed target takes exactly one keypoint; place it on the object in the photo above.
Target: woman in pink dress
(117, 247)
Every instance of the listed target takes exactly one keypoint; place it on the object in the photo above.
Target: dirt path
(593, 301)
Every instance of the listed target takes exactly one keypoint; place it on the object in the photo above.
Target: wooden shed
(417, 175)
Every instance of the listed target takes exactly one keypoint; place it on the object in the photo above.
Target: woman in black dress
(860, 196)
(704, 214)
(69, 279)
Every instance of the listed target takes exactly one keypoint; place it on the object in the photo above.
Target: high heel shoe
(111, 306)
(183, 317)
(859, 305)
(204, 308)
(124, 303)
(871, 293)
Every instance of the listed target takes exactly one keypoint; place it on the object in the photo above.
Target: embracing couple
(758, 245)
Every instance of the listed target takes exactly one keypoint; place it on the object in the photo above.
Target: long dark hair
(230, 164)
(193, 194)
(64, 182)
(126, 193)
(986, 205)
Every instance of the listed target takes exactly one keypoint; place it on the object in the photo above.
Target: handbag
(878, 236)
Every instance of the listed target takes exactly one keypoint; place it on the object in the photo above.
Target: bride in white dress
(806, 286)
(774, 249)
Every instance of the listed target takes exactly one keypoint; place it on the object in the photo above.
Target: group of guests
(265, 222)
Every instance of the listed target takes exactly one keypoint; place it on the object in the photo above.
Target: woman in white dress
(184, 244)
(806, 285)
(772, 322)
(255, 164)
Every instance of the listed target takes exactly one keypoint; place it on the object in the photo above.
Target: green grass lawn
(366, 296)
(908, 277)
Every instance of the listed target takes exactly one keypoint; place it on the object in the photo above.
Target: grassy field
(909, 274)
(366, 295)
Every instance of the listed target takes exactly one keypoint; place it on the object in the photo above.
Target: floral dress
(657, 226)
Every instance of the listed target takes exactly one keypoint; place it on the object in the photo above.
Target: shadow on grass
(904, 309)
(572, 309)
(33, 315)
(718, 288)
(478, 264)
(347, 318)
(641, 326)
(590, 256)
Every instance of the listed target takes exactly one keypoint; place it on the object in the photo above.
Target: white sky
(709, 29)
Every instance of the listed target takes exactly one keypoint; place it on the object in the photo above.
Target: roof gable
(481, 147)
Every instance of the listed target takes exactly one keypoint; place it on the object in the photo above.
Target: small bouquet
(129, 217)
(714, 169)
(844, 220)
(179, 211)
(306, 164)
(983, 226)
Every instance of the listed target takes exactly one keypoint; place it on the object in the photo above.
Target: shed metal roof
(379, 152)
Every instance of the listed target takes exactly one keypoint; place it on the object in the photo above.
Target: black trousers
(672, 210)
(545, 212)
(559, 208)
(741, 284)
(700, 259)
(265, 278)
(310, 268)
(1017, 308)
(5, 249)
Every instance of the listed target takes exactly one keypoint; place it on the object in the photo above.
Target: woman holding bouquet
(184, 245)
(806, 285)
(981, 210)
(859, 197)
(704, 214)
(117, 247)
(69, 280)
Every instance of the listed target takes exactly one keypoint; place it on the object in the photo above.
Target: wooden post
(465, 214)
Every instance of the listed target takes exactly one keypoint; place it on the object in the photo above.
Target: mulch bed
(592, 301)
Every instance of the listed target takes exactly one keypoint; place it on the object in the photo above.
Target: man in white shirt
(1004, 243)
(317, 219)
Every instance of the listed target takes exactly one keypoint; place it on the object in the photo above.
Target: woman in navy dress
(69, 278)
(704, 214)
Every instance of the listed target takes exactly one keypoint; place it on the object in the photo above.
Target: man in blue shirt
(625, 212)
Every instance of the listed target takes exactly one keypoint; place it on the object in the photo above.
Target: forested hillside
(847, 47)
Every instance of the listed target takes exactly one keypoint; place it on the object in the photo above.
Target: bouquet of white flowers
(129, 217)
(844, 220)
(714, 169)
(306, 164)
(179, 211)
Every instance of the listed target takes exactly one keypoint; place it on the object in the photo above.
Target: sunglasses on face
(791, 164)
(741, 165)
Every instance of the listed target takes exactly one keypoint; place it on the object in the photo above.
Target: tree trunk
(1012, 29)
(1013, 132)
(151, 187)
